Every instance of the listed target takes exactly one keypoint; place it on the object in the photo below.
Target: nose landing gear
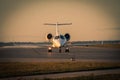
(60, 50)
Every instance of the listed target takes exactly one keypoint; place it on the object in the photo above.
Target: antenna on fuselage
(58, 24)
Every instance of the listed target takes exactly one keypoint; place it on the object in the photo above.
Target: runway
(37, 54)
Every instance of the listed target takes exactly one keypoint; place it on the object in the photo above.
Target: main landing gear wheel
(49, 49)
(67, 49)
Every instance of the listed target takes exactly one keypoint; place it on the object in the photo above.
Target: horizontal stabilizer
(58, 24)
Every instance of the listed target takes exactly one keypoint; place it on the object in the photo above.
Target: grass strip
(12, 69)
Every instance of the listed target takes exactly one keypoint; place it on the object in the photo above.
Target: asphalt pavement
(78, 53)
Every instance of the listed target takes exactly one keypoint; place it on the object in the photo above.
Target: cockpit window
(61, 36)
(56, 37)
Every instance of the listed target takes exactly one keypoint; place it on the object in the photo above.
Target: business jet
(58, 40)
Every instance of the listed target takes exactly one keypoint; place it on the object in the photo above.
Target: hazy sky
(22, 20)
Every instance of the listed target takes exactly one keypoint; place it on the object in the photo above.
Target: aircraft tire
(49, 49)
(67, 50)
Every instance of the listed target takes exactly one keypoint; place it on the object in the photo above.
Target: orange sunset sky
(22, 20)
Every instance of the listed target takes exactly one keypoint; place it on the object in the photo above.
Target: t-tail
(57, 24)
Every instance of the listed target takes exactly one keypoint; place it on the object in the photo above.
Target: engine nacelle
(49, 36)
(67, 36)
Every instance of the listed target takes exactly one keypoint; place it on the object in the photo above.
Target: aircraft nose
(59, 44)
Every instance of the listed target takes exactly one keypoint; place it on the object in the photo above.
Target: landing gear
(60, 50)
(49, 49)
(66, 49)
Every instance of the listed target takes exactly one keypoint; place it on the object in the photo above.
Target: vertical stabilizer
(57, 30)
